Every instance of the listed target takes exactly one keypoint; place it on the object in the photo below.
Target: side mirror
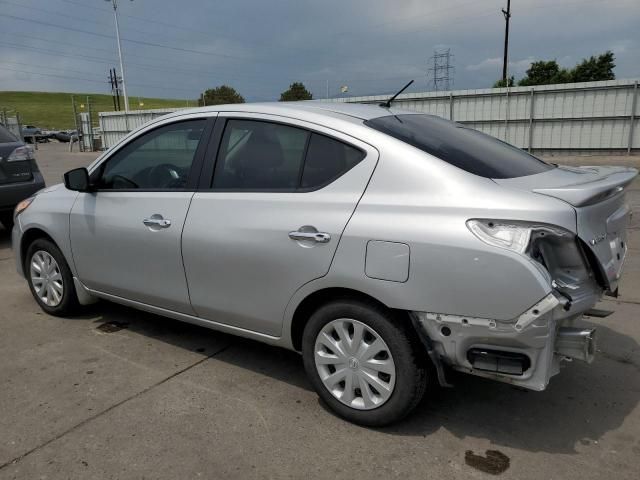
(77, 180)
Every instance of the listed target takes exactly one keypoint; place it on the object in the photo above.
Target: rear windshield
(6, 136)
(463, 147)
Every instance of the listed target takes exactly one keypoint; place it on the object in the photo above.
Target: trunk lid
(597, 194)
(14, 171)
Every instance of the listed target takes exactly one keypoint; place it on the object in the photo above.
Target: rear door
(271, 218)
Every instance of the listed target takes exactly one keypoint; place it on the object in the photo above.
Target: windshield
(462, 147)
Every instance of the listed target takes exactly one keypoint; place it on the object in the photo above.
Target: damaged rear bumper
(525, 352)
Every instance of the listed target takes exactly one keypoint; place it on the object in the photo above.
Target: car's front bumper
(16, 240)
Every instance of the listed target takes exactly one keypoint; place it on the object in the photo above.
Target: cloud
(178, 49)
(517, 66)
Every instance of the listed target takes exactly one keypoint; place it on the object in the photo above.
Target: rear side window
(462, 147)
(258, 155)
(327, 159)
(6, 136)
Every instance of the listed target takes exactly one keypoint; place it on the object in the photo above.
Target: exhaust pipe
(578, 343)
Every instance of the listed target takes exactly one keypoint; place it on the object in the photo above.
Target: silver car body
(397, 224)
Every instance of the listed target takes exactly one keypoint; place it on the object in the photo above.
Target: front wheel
(364, 363)
(50, 278)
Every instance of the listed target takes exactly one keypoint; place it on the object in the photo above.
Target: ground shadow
(5, 240)
(581, 404)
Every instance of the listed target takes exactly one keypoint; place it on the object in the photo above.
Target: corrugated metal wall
(591, 116)
(115, 125)
(578, 117)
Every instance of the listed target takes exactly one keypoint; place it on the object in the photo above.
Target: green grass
(52, 110)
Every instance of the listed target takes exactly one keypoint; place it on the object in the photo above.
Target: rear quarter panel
(421, 201)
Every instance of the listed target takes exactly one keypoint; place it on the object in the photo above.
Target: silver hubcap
(355, 364)
(46, 278)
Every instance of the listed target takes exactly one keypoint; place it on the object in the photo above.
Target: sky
(176, 49)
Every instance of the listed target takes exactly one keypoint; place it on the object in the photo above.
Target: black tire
(69, 302)
(408, 355)
(6, 219)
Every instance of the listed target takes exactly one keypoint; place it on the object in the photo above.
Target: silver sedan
(387, 246)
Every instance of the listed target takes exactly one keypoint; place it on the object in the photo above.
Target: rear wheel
(50, 278)
(364, 363)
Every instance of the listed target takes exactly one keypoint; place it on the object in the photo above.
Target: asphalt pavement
(118, 393)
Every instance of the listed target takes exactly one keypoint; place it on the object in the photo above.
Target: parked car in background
(29, 132)
(19, 174)
(66, 135)
(386, 246)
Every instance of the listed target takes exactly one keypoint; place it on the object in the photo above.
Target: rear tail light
(21, 154)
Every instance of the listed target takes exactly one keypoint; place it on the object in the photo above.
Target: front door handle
(318, 237)
(156, 221)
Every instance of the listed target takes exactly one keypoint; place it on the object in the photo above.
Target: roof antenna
(387, 104)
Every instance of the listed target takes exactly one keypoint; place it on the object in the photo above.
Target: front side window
(462, 147)
(257, 155)
(160, 159)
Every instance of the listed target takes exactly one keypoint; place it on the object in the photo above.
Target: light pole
(124, 85)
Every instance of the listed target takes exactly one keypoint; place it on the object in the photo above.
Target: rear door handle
(156, 221)
(318, 237)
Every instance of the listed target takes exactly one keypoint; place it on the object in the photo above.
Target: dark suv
(19, 174)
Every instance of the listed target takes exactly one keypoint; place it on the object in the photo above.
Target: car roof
(331, 109)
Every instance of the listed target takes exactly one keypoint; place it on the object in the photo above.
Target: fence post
(506, 116)
(19, 123)
(529, 147)
(75, 121)
(451, 106)
(90, 124)
(632, 117)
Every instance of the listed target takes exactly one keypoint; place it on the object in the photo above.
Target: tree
(595, 68)
(220, 95)
(296, 91)
(545, 73)
(501, 83)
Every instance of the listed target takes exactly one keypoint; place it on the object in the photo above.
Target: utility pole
(507, 16)
(124, 87)
(113, 89)
(115, 83)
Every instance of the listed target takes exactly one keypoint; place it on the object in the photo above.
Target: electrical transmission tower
(441, 70)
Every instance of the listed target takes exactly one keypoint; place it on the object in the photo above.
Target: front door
(280, 199)
(126, 235)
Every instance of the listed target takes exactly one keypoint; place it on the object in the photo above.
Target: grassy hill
(53, 110)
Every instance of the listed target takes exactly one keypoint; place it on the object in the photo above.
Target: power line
(102, 82)
(109, 61)
(139, 42)
(186, 71)
(52, 75)
(52, 12)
